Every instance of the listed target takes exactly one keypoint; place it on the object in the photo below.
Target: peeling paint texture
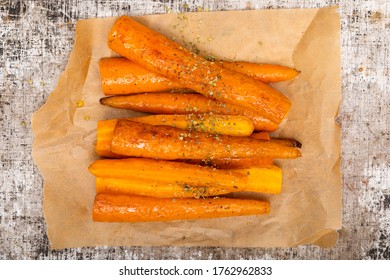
(36, 38)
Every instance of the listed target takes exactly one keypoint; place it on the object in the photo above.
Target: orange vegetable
(184, 103)
(105, 132)
(266, 73)
(157, 178)
(126, 208)
(218, 124)
(234, 163)
(154, 188)
(210, 123)
(165, 57)
(122, 76)
(164, 171)
(288, 142)
(163, 142)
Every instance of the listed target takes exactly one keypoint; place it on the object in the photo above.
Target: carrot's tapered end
(294, 72)
(296, 144)
(108, 101)
(103, 100)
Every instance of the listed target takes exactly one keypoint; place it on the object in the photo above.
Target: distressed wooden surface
(36, 38)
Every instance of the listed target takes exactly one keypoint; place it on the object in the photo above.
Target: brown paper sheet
(309, 208)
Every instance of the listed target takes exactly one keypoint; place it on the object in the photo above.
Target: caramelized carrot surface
(216, 124)
(162, 142)
(288, 142)
(165, 171)
(157, 178)
(233, 163)
(165, 57)
(266, 73)
(105, 132)
(126, 208)
(122, 76)
(185, 103)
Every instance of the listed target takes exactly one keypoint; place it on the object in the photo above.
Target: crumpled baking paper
(310, 207)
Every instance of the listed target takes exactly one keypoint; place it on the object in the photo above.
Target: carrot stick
(233, 163)
(185, 103)
(144, 140)
(122, 76)
(164, 171)
(216, 124)
(157, 189)
(165, 57)
(105, 132)
(126, 208)
(210, 123)
(288, 142)
(266, 73)
(156, 178)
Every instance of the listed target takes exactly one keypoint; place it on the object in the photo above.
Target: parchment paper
(309, 208)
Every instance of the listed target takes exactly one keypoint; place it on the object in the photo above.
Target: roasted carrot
(288, 142)
(122, 76)
(185, 103)
(157, 189)
(242, 163)
(156, 178)
(262, 135)
(105, 131)
(266, 73)
(211, 123)
(163, 142)
(165, 57)
(233, 163)
(218, 124)
(164, 171)
(126, 208)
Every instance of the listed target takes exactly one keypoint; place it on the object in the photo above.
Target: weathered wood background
(36, 38)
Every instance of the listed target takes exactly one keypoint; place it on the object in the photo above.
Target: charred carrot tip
(102, 100)
(297, 144)
(288, 142)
